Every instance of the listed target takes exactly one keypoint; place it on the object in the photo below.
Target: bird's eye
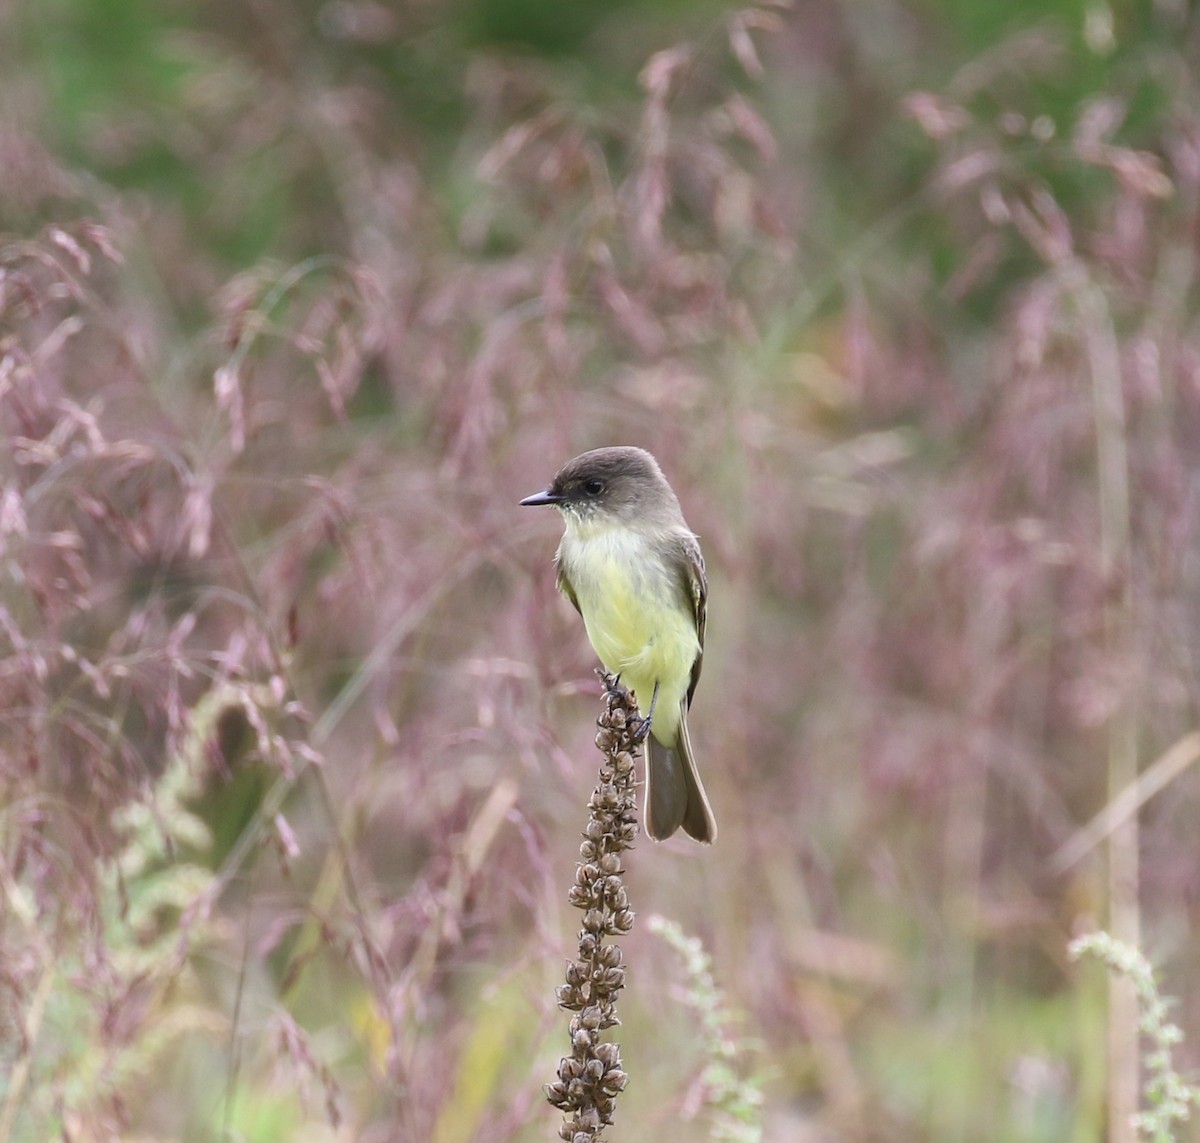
(593, 487)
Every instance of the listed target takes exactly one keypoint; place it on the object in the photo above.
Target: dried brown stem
(590, 1078)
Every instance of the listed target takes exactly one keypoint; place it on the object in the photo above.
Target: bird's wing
(695, 584)
(563, 583)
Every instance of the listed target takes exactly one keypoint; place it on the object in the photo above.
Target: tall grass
(296, 302)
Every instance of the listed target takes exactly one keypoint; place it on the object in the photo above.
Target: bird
(633, 569)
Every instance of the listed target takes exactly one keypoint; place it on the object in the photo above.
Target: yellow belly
(637, 620)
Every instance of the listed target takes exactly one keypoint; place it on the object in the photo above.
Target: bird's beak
(537, 498)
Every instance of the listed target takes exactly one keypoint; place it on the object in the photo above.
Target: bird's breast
(631, 598)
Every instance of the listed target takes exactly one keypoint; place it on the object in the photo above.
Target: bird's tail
(674, 794)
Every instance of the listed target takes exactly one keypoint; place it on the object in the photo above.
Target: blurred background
(298, 299)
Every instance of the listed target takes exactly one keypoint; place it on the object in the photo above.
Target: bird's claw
(639, 725)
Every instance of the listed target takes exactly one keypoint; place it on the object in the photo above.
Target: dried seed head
(614, 1082)
(569, 1069)
(590, 1078)
(579, 897)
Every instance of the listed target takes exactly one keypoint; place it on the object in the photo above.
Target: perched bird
(633, 569)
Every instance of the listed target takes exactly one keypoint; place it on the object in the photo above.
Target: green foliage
(116, 992)
(1169, 1098)
(732, 1093)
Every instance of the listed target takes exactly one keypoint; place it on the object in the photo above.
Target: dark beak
(537, 498)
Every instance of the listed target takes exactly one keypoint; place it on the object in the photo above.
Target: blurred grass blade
(1153, 779)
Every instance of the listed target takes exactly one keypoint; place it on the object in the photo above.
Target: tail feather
(674, 794)
(698, 819)
(666, 790)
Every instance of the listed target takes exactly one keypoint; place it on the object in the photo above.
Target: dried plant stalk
(1120, 625)
(590, 1078)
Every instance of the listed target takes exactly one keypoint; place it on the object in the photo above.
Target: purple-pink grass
(919, 354)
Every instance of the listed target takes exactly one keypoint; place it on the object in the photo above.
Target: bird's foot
(640, 728)
(611, 683)
(639, 725)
